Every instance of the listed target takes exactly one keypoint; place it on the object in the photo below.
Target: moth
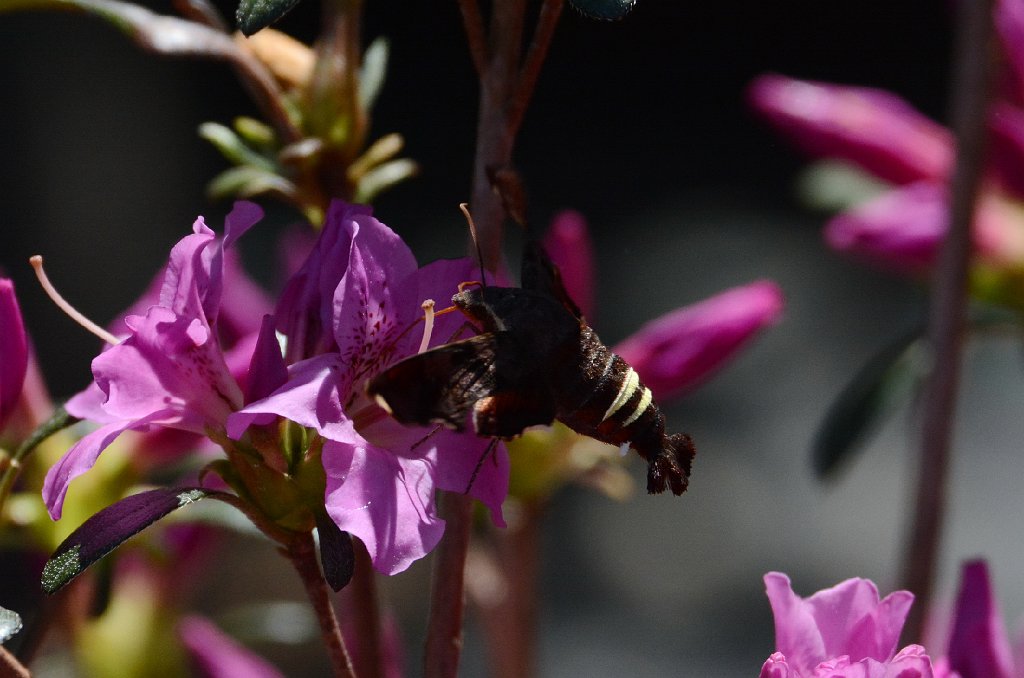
(535, 360)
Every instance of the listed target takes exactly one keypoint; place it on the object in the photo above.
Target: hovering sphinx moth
(535, 360)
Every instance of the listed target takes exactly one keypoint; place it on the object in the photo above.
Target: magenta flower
(13, 350)
(215, 655)
(871, 128)
(352, 310)
(679, 350)
(887, 138)
(569, 245)
(978, 643)
(844, 631)
(169, 372)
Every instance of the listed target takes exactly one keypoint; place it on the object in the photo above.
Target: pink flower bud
(13, 350)
(871, 128)
(569, 245)
(678, 350)
(903, 229)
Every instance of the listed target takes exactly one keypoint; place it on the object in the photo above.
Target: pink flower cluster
(886, 137)
(204, 355)
(848, 632)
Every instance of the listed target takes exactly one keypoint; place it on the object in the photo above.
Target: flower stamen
(428, 324)
(62, 304)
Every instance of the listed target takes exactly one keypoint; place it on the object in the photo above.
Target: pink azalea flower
(978, 644)
(216, 655)
(844, 631)
(169, 372)
(13, 351)
(352, 310)
(679, 350)
(886, 137)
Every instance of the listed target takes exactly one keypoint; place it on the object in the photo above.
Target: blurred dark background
(642, 126)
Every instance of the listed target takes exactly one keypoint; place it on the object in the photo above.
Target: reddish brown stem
(510, 618)
(947, 319)
(447, 596)
(359, 602)
(302, 553)
(475, 36)
(550, 11)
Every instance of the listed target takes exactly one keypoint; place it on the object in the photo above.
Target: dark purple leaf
(252, 15)
(336, 554)
(105, 531)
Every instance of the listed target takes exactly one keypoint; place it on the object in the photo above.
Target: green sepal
(255, 132)
(247, 182)
(233, 148)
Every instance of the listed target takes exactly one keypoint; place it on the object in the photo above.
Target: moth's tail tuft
(671, 467)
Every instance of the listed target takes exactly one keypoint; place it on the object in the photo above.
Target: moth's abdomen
(606, 400)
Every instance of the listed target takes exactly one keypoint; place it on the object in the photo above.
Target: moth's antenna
(476, 242)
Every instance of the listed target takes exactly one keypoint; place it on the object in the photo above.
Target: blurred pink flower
(13, 350)
(871, 128)
(214, 654)
(569, 245)
(886, 137)
(978, 644)
(679, 350)
(845, 631)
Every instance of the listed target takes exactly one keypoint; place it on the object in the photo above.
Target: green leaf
(246, 182)
(252, 15)
(383, 177)
(373, 72)
(834, 186)
(108, 529)
(232, 147)
(886, 381)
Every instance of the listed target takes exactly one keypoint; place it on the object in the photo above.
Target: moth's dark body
(535, 361)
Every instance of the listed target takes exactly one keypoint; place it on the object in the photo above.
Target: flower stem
(447, 596)
(948, 308)
(302, 552)
(359, 600)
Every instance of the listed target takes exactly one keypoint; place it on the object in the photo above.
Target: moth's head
(472, 301)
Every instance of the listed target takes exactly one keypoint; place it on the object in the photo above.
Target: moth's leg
(426, 437)
(480, 462)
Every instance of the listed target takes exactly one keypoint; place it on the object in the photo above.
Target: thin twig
(302, 552)
(447, 595)
(547, 20)
(947, 319)
(359, 600)
(474, 25)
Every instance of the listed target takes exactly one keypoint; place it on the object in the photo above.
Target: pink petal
(775, 667)
(680, 349)
(847, 619)
(240, 219)
(193, 276)
(83, 455)
(384, 499)
(569, 245)
(216, 655)
(13, 350)
(170, 361)
(454, 457)
(978, 646)
(1006, 148)
(901, 228)
(870, 127)
(310, 398)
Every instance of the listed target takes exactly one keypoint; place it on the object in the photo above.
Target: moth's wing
(491, 375)
(505, 414)
(539, 273)
(438, 386)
